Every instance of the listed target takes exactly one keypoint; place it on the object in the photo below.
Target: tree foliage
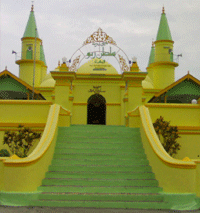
(4, 153)
(169, 134)
(20, 141)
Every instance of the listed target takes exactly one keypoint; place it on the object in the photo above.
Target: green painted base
(182, 201)
(171, 201)
(17, 198)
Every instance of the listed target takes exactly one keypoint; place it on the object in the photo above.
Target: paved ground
(7, 209)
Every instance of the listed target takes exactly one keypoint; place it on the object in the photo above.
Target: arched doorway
(96, 110)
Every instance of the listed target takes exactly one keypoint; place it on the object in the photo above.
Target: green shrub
(20, 141)
(169, 134)
(4, 153)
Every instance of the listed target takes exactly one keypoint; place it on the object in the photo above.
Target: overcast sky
(64, 25)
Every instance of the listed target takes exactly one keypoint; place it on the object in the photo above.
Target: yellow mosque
(96, 112)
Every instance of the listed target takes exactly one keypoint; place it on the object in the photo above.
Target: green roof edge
(163, 30)
(152, 56)
(42, 56)
(31, 26)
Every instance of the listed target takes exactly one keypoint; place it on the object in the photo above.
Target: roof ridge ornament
(99, 36)
(163, 10)
(32, 7)
(75, 62)
(124, 66)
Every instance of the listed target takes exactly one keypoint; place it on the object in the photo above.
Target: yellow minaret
(32, 64)
(161, 65)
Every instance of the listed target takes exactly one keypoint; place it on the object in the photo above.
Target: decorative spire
(152, 54)
(163, 30)
(32, 7)
(163, 10)
(42, 56)
(31, 27)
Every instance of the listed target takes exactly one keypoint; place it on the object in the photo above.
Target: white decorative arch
(100, 45)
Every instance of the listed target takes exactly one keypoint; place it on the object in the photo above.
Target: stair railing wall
(174, 176)
(26, 174)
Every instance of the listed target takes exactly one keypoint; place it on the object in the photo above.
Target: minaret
(30, 61)
(161, 66)
(151, 61)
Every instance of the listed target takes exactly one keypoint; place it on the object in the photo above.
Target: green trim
(17, 198)
(152, 56)
(29, 54)
(31, 26)
(10, 84)
(42, 56)
(163, 30)
(186, 87)
(183, 201)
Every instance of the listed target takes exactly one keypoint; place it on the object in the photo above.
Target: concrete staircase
(102, 167)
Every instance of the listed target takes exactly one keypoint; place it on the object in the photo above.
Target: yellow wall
(36, 164)
(186, 117)
(163, 75)
(161, 52)
(190, 146)
(112, 94)
(31, 41)
(177, 114)
(26, 72)
(174, 176)
(25, 111)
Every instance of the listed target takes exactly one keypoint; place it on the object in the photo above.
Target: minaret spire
(31, 25)
(163, 10)
(163, 30)
(32, 7)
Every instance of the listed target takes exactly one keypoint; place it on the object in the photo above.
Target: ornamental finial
(32, 7)
(163, 10)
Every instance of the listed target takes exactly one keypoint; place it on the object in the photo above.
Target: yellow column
(122, 87)
(134, 80)
(63, 87)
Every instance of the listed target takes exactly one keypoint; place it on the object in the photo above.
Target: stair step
(98, 128)
(100, 169)
(102, 197)
(99, 155)
(121, 175)
(70, 156)
(99, 182)
(96, 139)
(91, 145)
(92, 189)
(99, 151)
(104, 204)
(95, 134)
(74, 162)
